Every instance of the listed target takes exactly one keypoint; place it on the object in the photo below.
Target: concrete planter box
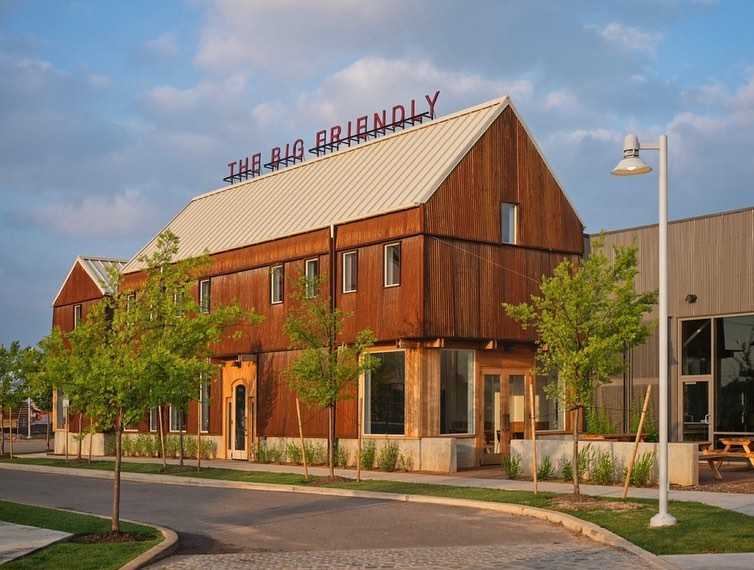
(683, 458)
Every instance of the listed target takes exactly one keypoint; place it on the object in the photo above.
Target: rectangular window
(205, 293)
(696, 351)
(392, 265)
(204, 399)
(59, 410)
(76, 316)
(311, 271)
(350, 271)
(550, 413)
(457, 391)
(384, 388)
(508, 221)
(133, 426)
(276, 284)
(130, 300)
(177, 419)
(154, 419)
(734, 374)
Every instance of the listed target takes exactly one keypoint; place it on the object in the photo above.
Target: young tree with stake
(326, 369)
(586, 314)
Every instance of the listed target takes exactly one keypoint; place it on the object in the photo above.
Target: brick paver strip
(565, 557)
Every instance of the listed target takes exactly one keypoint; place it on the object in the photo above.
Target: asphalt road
(227, 521)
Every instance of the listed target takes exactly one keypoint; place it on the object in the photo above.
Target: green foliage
(387, 460)
(341, 457)
(546, 469)
(14, 387)
(316, 453)
(406, 462)
(368, 450)
(512, 465)
(586, 455)
(649, 429)
(643, 470)
(604, 468)
(598, 421)
(189, 446)
(127, 446)
(267, 453)
(565, 467)
(293, 452)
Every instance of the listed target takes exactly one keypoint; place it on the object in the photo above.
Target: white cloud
(97, 216)
(99, 81)
(629, 38)
(165, 45)
(563, 100)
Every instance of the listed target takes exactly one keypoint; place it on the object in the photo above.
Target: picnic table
(735, 448)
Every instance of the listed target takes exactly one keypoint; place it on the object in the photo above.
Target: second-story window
(205, 292)
(350, 271)
(508, 222)
(312, 275)
(276, 284)
(392, 265)
(76, 316)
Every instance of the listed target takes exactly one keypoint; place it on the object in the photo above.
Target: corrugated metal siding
(393, 173)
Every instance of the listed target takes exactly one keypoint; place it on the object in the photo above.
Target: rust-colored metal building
(425, 233)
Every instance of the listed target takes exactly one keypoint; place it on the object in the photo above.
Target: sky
(114, 114)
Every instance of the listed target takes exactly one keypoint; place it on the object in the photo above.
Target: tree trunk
(162, 439)
(575, 460)
(331, 440)
(180, 440)
(115, 527)
(91, 437)
(359, 428)
(2, 431)
(80, 438)
(47, 433)
(198, 436)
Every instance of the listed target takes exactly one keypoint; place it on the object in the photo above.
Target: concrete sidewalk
(18, 540)
(743, 503)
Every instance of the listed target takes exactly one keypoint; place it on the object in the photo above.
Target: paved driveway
(243, 529)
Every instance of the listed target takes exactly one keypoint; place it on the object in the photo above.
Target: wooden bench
(715, 457)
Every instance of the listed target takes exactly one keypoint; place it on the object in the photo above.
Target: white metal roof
(392, 173)
(98, 268)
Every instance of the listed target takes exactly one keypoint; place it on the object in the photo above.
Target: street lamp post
(629, 166)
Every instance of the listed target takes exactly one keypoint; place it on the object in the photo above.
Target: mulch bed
(584, 503)
(108, 537)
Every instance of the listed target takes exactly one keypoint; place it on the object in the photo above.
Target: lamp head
(631, 163)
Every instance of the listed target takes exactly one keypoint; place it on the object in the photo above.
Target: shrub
(293, 452)
(316, 454)
(585, 460)
(171, 446)
(650, 423)
(270, 453)
(367, 455)
(643, 470)
(388, 457)
(109, 445)
(341, 457)
(208, 448)
(127, 446)
(189, 446)
(565, 468)
(598, 421)
(405, 462)
(150, 445)
(546, 469)
(512, 465)
(603, 470)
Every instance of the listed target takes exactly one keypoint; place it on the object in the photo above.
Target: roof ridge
(413, 129)
(100, 258)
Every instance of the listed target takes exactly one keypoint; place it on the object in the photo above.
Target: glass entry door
(493, 418)
(238, 423)
(696, 411)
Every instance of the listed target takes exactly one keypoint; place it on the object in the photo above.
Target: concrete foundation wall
(683, 458)
(97, 441)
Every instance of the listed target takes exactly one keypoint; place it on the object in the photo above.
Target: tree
(585, 315)
(13, 389)
(326, 367)
(170, 332)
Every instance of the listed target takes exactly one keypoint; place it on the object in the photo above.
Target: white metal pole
(663, 517)
(28, 418)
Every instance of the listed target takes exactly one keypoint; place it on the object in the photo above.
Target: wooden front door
(239, 391)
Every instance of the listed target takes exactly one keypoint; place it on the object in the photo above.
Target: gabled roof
(98, 269)
(388, 174)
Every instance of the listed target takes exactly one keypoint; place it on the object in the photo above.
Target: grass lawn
(70, 554)
(700, 529)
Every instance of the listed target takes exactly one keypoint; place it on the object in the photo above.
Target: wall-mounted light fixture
(691, 298)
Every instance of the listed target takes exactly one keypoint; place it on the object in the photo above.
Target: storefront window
(696, 353)
(385, 407)
(549, 413)
(734, 374)
(457, 391)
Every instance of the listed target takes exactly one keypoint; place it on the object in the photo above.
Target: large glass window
(457, 391)
(177, 419)
(392, 265)
(385, 406)
(312, 275)
(550, 414)
(154, 419)
(204, 399)
(350, 271)
(734, 374)
(508, 221)
(205, 293)
(76, 316)
(696, 351)
(276, 284)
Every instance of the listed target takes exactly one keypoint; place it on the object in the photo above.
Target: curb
(579, 526)
(166, 547)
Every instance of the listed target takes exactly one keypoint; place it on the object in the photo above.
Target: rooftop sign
(354, 131)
